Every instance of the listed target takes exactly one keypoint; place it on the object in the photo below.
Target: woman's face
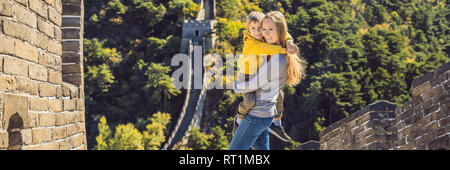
(270, 31)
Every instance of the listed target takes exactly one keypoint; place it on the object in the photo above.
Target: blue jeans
(252, 131)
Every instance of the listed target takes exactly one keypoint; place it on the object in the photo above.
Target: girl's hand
(292, 48)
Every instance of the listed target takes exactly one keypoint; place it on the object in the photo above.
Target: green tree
(197, 140)
(219, 140)
(154, 134)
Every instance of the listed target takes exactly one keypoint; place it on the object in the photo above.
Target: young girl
(253, 51)
(253, 130)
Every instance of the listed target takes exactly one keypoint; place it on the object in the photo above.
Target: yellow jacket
(250, 59)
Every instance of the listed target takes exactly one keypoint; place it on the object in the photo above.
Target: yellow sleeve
(256, 47)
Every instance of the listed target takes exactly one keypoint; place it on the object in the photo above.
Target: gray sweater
(267, 83)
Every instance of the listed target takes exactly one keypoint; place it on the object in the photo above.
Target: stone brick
(58, 63)
(440, 143)
(23, 2)
(364, 118)
(416, 91)
(430, 127)
(403, 132)
(77, 141)
(58, 6)
(47, 59)
(407, 146)
(62, 119)
(72, 129)
(38, 72)
(71, 57)
(26, 51)
(71, 33)
(447, 85)
(58, 33)
(71, 68)
(75, 79)
(426, 104)
(65, 144)
(75, 117)
(438, 79)
(71, 21)
(59, 132)
(5, 7)
(74, 92)
(55, 105)
(69, 105)
(37, 38)
(38, 104)
(7, 83)
(441, 98)
(46, 27)
(4, 140)
(47, 119)
(431, 92)
(45, 146)
(54, 77)
(7, 46)
(25, 16)
(59, 92)
(41, 135)
(54, 17)
(27, 86)
(15, 67)
(47, 90)
(39, 7)
(50, 2)
(66, 90)
(431, 109)
(34, 119)
(26, 136)
(80, 105)
(70, 9)
(444, 122)
(55, 47)
(15, 29)
(71, 45)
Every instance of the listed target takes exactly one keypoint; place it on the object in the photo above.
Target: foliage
(127, 137)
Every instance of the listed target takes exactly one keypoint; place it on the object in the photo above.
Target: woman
(272, 76)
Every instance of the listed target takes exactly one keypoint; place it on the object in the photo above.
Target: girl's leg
(248, 131)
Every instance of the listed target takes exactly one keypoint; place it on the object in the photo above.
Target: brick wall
(422, 123)
(41, 102)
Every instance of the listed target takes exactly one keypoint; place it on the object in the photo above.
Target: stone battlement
(41, 75)
(422, 123)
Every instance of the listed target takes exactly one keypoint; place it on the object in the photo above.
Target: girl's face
(270, 31)
(255, 30)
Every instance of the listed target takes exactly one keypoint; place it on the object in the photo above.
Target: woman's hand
(292, 48)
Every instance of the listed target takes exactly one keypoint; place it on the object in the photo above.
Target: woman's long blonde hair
(296, 65)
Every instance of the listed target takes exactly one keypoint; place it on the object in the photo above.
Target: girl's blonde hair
(254, 16)
(296, 65)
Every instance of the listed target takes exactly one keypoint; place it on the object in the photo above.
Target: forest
(358, 52)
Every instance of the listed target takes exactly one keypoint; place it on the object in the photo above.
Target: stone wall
(41, 87)
(422, 123)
